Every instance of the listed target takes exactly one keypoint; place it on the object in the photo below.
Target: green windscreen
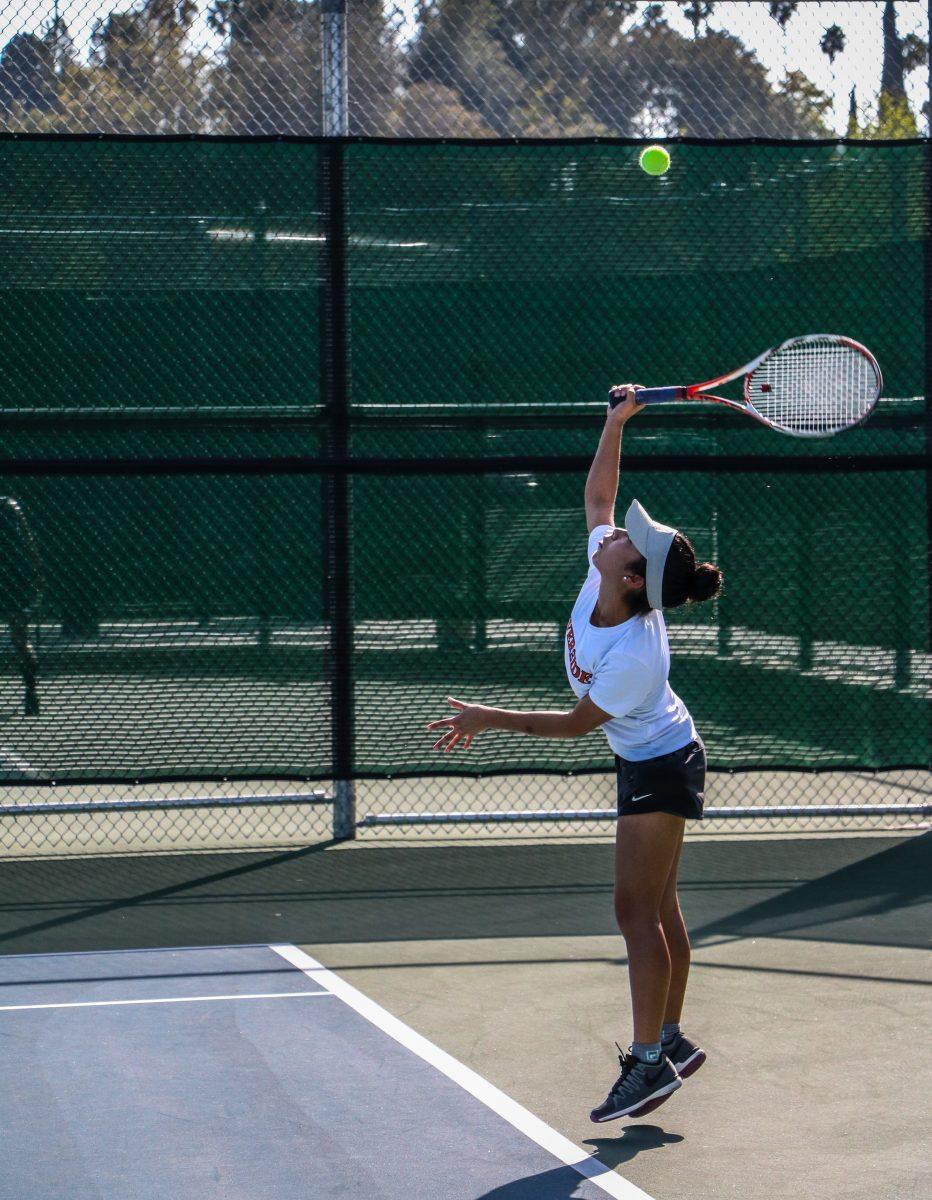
(301, 431)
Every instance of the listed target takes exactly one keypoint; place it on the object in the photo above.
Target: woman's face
(615, 558)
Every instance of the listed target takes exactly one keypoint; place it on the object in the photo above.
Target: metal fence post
(927, 321)
(333, 75)
(337, 491)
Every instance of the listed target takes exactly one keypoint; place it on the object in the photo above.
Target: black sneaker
(639, 1089)
(685, 1055)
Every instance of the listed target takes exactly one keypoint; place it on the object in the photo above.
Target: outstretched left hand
(470, 720)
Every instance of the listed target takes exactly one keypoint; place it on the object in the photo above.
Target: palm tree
(833, 42)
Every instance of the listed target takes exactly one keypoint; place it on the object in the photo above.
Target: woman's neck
(608, 612)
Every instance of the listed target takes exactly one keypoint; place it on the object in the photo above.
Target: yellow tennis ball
(654, 160)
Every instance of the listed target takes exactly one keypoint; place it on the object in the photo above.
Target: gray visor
(653, 541)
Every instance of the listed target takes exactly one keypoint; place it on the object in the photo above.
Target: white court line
(515, 1114)
(134, 950)
(159, 1000)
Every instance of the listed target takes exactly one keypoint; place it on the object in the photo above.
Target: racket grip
(663, 395)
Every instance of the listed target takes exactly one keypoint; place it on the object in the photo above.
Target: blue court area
(249, 1071)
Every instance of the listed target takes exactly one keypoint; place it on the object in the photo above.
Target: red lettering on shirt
(575, 670)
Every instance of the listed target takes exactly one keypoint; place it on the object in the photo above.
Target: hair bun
(706, 582)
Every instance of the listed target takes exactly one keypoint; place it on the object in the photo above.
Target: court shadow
(879, 899)
(851, 889)
(563, 1183)
(632, 1140)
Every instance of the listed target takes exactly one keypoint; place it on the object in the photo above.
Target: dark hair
(684, 580)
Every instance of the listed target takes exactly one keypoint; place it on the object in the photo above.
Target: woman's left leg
(646, 847)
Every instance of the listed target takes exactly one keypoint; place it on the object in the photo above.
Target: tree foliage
(833, 42)
(27, 73)
(593, 67)
(894, 118)
(696, 12)
(269, 80)
(474, 68)
(782, 10)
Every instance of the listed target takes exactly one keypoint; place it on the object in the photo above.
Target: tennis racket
(810, 386)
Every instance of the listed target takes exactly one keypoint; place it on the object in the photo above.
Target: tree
(782, 10)
(853, 130)
(477, 49)
(27, 73)
(435, 110)
(895, 119)
(653, 16)
(833, 42)
(270, 78)
(58, 39)
(583, 65)
(141, 78)
(374, 67)
(893, 76)
(914, 52)
(714, 87)
(695, 12)
(809, 105)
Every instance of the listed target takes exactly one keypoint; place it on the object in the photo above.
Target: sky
(859, 64)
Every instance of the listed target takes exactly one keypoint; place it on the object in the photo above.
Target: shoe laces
(628, 1062)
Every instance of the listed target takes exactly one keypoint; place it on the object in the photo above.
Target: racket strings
(814, 387)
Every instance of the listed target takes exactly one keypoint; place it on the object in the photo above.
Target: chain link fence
(467, 68)
(295, 435)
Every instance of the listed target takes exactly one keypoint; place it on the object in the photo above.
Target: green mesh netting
(165, 300)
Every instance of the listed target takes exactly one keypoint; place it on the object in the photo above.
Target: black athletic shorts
(673, 783)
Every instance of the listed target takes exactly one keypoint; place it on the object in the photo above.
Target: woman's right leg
(685, 1054)
(674, 929)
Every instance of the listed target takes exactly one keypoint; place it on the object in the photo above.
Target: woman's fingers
(449, 740)
(447, 720)
(453, 727)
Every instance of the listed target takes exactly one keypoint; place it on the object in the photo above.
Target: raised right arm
(602, 483)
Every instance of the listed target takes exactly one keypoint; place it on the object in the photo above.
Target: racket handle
(664, 395)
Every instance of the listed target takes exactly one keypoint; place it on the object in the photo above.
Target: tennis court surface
(435, 1020)
(248, 1071)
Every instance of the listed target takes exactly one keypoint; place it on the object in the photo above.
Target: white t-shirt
(624, 669)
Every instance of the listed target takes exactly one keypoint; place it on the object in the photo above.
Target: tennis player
(617, 661)
(20, 591)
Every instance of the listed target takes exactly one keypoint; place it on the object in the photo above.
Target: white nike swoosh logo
(641, 797)
(691, 757)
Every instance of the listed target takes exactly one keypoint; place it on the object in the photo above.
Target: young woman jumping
(618, 661)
